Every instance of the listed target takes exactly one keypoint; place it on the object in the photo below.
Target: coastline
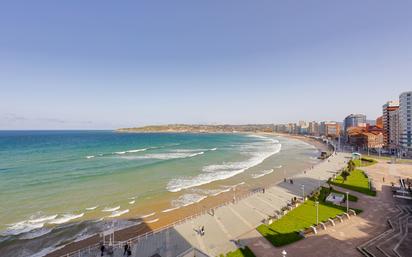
(164, 219)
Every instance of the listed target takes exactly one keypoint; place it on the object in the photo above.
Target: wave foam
(26, 226)
(147, 215)
(136, 150)
(187, 199)
(165, 156)
(171, 209)
(263, 173)
(132, 202)
(66, 218)
(91, 208)
(36, 233)
(223, 171)
(90, 156)
(152, 221)
(118, 213)
(110, 209)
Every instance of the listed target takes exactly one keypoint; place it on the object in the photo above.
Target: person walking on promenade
(202, 231)
(102, 249)
(129, 251)
(126, 247)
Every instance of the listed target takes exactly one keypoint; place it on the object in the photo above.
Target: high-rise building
(405, 127)
(329, 129)
(390, 122)
(379, 122)
(354, 120)
(313, 128)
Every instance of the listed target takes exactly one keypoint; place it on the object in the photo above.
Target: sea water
(59, 186)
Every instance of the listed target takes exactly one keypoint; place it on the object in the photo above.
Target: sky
(109, 64)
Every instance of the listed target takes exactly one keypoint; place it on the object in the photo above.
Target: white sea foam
(91, 208)
(258, 152)
(222, 191)
(110, 209)
(136, 150)
(25, 226)
(36, 233)
(118, 213)
(148, 215)
(122, 152)
(165, 156)
(263, 173)
(152, 221)
(42, 219)
(21, 227)
(132, 202)
(90, 156)
(213, 149)
(66, 218)
(187, 199)
(171, 209)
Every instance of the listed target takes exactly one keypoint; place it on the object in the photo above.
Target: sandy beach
(162, 218)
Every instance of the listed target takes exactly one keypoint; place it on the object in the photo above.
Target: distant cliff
(182, 128)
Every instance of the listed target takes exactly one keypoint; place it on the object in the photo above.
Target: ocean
(61, 186)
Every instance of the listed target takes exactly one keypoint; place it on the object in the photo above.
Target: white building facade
(405, 123)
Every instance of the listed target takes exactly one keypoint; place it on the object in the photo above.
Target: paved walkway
(343, 239)
(233, 222)
(238, 221)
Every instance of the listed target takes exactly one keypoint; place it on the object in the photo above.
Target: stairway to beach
(396, 241)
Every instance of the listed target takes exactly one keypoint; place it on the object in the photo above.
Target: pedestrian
(202, 230)
(129, 251)
(102, 248)
(263, 190)
(126, 247)
(284, 180)
(383, 179)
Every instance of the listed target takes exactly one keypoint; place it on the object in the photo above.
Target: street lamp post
(303, 192)
(317, 212)
(347, 202)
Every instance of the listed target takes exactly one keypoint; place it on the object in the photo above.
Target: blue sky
(105, 64)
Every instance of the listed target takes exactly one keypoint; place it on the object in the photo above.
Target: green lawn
(240, 253)
(365, 162)
(356, 181)
(286, 230)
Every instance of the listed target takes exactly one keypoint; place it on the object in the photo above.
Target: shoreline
(162, 219)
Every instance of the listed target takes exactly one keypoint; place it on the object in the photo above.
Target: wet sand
(162, 219)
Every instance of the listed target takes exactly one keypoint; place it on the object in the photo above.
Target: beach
(162, 218)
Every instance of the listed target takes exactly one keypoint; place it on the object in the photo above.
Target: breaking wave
(111, 209)
(210, 173)
(118, 213)
(66, 218)
(187, 199)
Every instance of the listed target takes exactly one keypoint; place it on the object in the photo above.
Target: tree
(345, 175)
(351, 166)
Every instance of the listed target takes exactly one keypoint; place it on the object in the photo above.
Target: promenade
(230, 225)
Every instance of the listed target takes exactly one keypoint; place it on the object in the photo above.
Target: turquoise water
(49, 179)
